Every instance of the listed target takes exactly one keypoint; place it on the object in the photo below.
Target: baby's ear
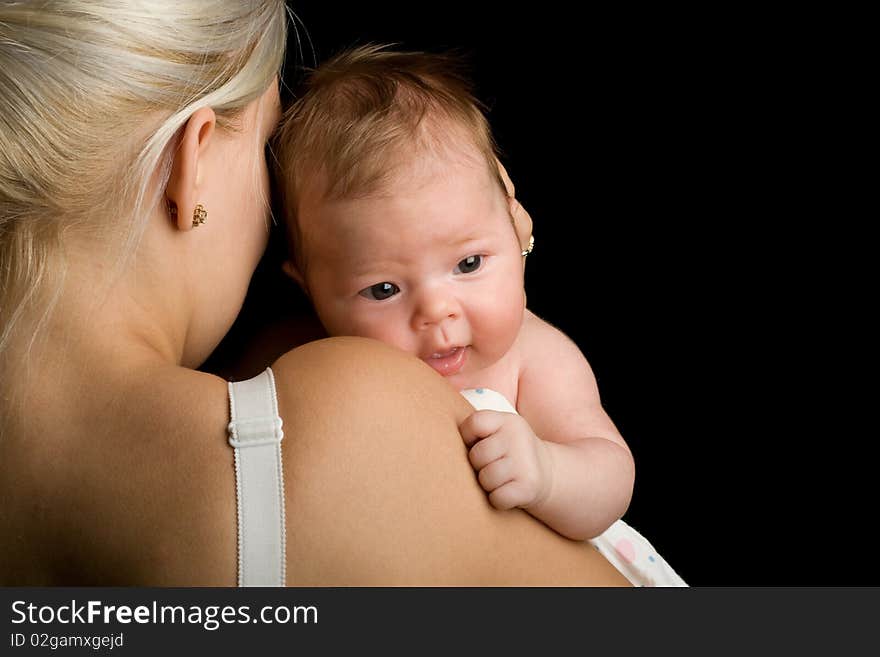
(522, 222)
(291, 270)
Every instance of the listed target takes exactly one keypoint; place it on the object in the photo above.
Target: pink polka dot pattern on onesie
(625, 549)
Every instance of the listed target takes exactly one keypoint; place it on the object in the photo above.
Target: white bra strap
(255, 434)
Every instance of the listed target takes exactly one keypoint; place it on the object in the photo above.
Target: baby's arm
(565, 462)
(592, 469)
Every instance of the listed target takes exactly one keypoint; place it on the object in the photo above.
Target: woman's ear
(183, 190)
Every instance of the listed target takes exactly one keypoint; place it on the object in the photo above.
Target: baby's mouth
(449, 362)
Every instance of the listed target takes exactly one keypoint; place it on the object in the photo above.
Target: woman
(133, 211)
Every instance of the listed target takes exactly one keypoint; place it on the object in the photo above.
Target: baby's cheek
(510, 298)
(384, 329)
(498, 327)
(338, 317)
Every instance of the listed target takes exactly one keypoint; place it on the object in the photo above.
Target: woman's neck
(94, 341)
(96, 322)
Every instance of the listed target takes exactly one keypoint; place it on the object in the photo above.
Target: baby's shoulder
(544, 348)
(537, 333)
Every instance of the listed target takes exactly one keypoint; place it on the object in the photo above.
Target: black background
(662, 157)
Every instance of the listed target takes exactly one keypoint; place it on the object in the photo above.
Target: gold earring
(531, 246)
(199, 215)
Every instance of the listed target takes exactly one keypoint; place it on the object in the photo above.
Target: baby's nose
(435, 307)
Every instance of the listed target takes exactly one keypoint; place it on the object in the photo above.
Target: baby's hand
(512, 462)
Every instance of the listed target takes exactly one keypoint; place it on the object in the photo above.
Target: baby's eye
(380, 291)
(469, 264)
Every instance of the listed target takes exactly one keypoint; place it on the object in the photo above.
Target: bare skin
(378, 487)
(114, 462)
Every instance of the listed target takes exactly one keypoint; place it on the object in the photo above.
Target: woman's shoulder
(353, 355)
(350, 369)
(135, 486)
(132, 481)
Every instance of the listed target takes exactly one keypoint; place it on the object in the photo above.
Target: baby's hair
(362, 114)
(93, 94)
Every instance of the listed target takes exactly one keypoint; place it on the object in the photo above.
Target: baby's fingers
(488, 450)
(481, 424)
(508, 496)
(495, 474)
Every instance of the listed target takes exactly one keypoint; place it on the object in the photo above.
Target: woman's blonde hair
(93, 94)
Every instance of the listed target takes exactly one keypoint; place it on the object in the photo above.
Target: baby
(401, 229)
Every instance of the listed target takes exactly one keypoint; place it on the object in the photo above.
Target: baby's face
(432, 266)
